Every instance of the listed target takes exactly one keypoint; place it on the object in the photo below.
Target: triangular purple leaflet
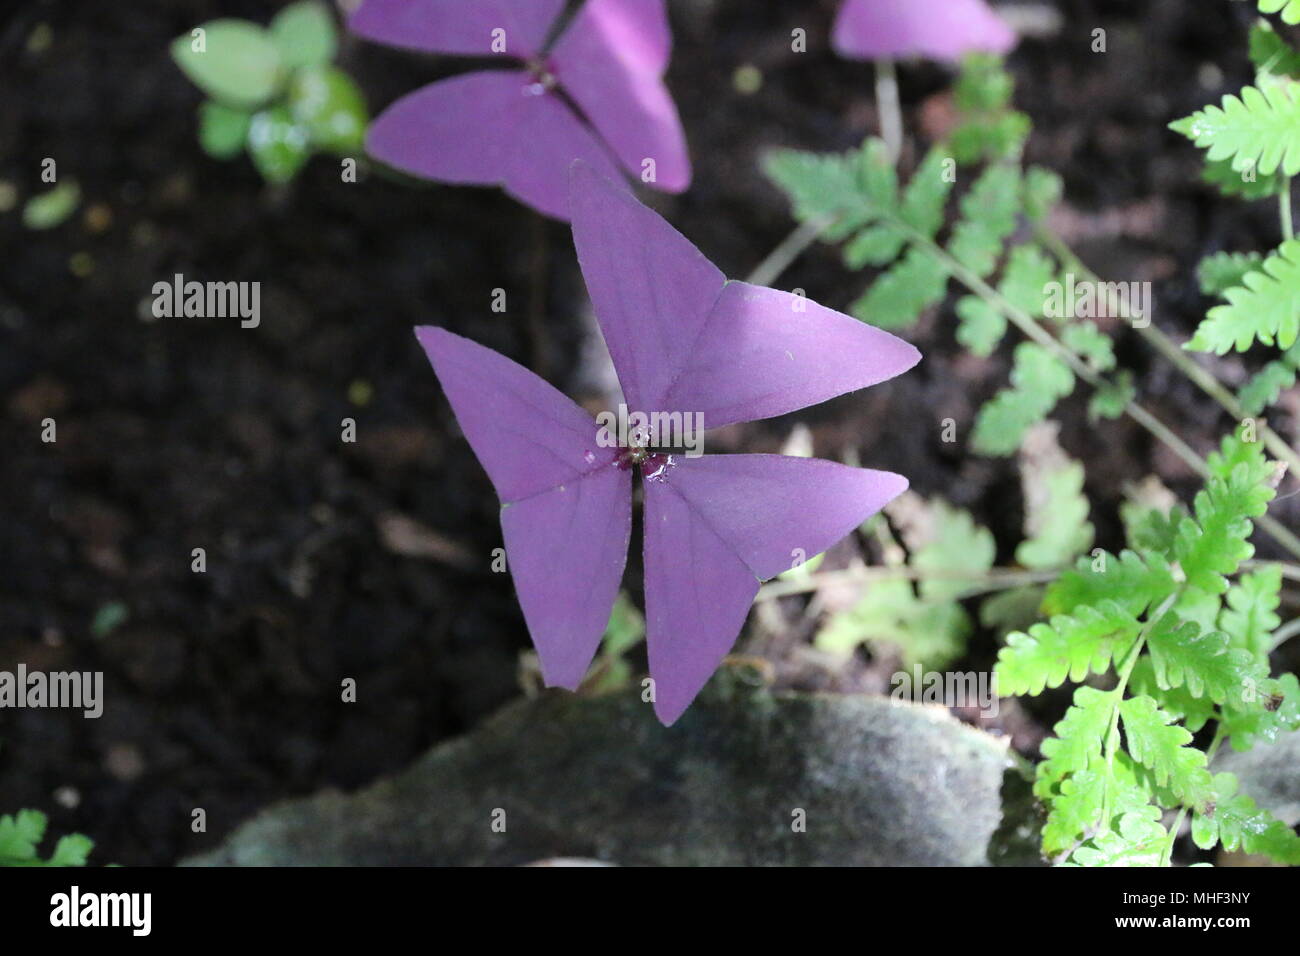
(595, 92)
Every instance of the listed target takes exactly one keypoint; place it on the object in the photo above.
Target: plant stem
(790, 248)
(1285, 633)
(997, 579)
(1166, 858)
(1031, 328)
(1290, 572)
(891, 113)
(1284, 208)
(1199, 375)
(1112, 734)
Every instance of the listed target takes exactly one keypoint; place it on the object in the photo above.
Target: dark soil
(223, 688)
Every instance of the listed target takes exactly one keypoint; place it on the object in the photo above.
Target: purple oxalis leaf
(595, 92)
(683, 339)
(937, 29)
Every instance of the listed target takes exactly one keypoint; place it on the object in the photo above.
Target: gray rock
(1269, 772)
(878, 783)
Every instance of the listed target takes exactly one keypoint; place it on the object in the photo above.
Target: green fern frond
(1038, 381)
(897, 298)
(1067, 647)
(1235, 821)
(1134, 582)
(1043, 190)
(1266, 386)
(988, 214)
(1273, 709)
(1218, 540)
(1233, 451)
(1218, 273)
(1259, 129)
(1182, 655)
(1076, 744)
(1056, 518)
(1270, 53)
(926, 195)
(1138, 840)
(981, 326)
(1160, 745)
(1251, 615)
(1027, 272)
(1265, 308)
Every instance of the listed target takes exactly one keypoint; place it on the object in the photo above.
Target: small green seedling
(273, 91)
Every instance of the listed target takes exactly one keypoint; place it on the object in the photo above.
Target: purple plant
(935, 29)
(593, 92)
(685, 340)
(888, 30)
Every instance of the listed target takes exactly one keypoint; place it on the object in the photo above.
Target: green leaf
(1182, 655)
(328, 104)
(1150, 529)
(1194, 712)
(1042, 191)
(930, 634)
(1139, 840)
(981, 326)
(1038, 381)
(1244, 184)
(1233, 451)
(1077, 743)
(926, 195)
(626, 627)
(877, 245)
(1073, 811)
(72, 850)
(1272, 709)
(233, 61)
(304, 34)
(279, 146)
(52, 208)
(1134, 582)
(957, 545)
(21, 834)
(1266, 386)
(1235, 821)
(835, 189)
(983, 85)
(1217, 541)
(223, 131)
(1160, 745)
(1290, 9)
(1222, 271)
(1112, 398)
(988, 217)
(1251, 615)
(930, 629)
(1270, 53)
(1259, 128)
(897, 298)
(1091, 343)
(1056, 515)
(1264, 308)
(1068, 647)
(987, 128)
(1027, 272)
